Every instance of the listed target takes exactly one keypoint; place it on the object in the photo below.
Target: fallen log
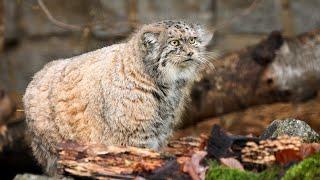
(187, 158)
(254, 120)
(99, 161)
(277, 69)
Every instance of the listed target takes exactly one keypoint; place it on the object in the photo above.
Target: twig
(82, 27)
(245, 12)
(57, 22)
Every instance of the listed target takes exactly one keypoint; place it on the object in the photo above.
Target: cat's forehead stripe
(178, 28)
(180, 32)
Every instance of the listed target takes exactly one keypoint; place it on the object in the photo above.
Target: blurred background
(34, 32)
(29, 40)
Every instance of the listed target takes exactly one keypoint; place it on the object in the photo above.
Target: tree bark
(100, 161)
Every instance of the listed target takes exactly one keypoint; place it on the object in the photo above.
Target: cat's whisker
(212, 55)
(209, 64)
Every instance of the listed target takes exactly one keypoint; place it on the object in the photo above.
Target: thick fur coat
(129, 94)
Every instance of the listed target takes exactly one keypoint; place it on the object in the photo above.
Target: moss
(307, 169)
(217, 172)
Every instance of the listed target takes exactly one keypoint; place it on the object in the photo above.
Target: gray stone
(263, 19)
(291, 127)
(306, 15)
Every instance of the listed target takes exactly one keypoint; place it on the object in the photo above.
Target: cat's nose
(190, 54)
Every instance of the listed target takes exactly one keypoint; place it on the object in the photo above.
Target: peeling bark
(100, 161)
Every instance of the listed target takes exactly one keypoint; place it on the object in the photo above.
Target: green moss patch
(217, 172)
(308, 169)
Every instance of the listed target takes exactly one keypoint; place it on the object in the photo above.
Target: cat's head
(174, 50)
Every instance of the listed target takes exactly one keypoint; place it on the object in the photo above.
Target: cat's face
(176, 52)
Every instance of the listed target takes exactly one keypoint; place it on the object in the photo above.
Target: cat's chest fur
(170, 102)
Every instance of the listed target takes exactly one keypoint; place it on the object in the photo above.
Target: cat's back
(54, 71)
(66, 80)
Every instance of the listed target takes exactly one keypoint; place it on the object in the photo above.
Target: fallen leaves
(282, 150)
(264, 151)
(193, 168)
(287, 156)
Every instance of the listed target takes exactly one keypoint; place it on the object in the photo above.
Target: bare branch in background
(90, 27)
(132, 9)
(57, 22)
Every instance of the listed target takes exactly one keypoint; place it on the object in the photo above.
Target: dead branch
(57, 22)
(92, 26)
(99, 161)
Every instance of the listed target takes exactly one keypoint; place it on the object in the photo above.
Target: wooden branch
(99, 161)
(57, 22)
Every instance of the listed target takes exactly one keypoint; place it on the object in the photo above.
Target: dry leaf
(309, 149)
(287, 155)
(232, 163)
(193, 167)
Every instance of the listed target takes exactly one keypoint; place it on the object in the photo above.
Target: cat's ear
(151, 37)
(204, 33)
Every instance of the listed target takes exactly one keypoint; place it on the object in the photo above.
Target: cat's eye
(175, 43)
(192, 40)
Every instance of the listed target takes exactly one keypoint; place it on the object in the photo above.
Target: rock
(37, 177)
(291, 127)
